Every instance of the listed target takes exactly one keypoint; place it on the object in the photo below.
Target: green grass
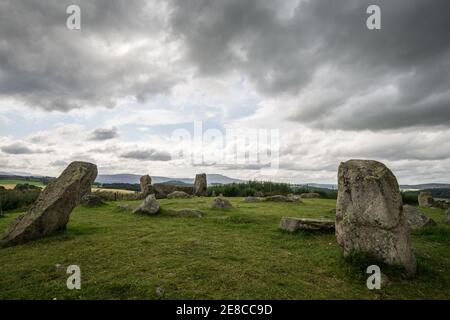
(230, 254)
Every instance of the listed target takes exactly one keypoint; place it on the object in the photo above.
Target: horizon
(254, 89)
(29, 174)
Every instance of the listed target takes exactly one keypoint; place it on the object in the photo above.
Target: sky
(174, 88)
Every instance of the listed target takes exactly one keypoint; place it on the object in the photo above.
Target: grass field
(11, 183)
(235, 254)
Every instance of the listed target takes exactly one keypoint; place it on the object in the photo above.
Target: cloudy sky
(115, 91)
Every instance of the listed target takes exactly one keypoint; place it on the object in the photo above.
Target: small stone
(59, 268)
(150, 206)
(159, 291)
(296, 224)
(221, 203)
(425, 200)
(280, 198)
(415, 218)
(91, 200)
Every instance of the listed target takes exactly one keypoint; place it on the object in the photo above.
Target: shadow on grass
(238, 219)
(68, 234)
(355, 267)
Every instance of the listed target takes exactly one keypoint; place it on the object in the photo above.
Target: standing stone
(146, 186)
(149, 206)
(425, 200)
(415, 218)
(369, 215)
(52, 209)
(200, 185)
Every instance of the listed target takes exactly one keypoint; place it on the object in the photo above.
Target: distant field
(112, 190)
(235, 254)
(11, 183)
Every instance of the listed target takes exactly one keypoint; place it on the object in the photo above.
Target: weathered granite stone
(415, 218)
(161, 190)
(369, 215)
(91, 200)
(280, 198)
(221, 203)
(149, 206)
(146, 186)
(200, 185)
(178, 195)
(51, 211)
(425, 200)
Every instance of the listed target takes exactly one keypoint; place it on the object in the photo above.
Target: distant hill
(425, 186)
(134, 178)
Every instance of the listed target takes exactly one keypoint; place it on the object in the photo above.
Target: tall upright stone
(51, 211)
(200, 185)
(146, 186)
(425, 199)
(369, 214)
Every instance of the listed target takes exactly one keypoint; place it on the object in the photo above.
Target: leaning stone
(310, 195)
(188, 213)
(178, 195)
(221, 203)
(369, 215)
(415, 218)
(51, 211)
(149, 206)
(200, 185)
(296, 224)
(425, 200)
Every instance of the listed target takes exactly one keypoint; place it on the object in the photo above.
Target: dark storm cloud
(18, 148)
(104, 134)
(316, 54)
(282, 54)
(46, 65)
(147, 155)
